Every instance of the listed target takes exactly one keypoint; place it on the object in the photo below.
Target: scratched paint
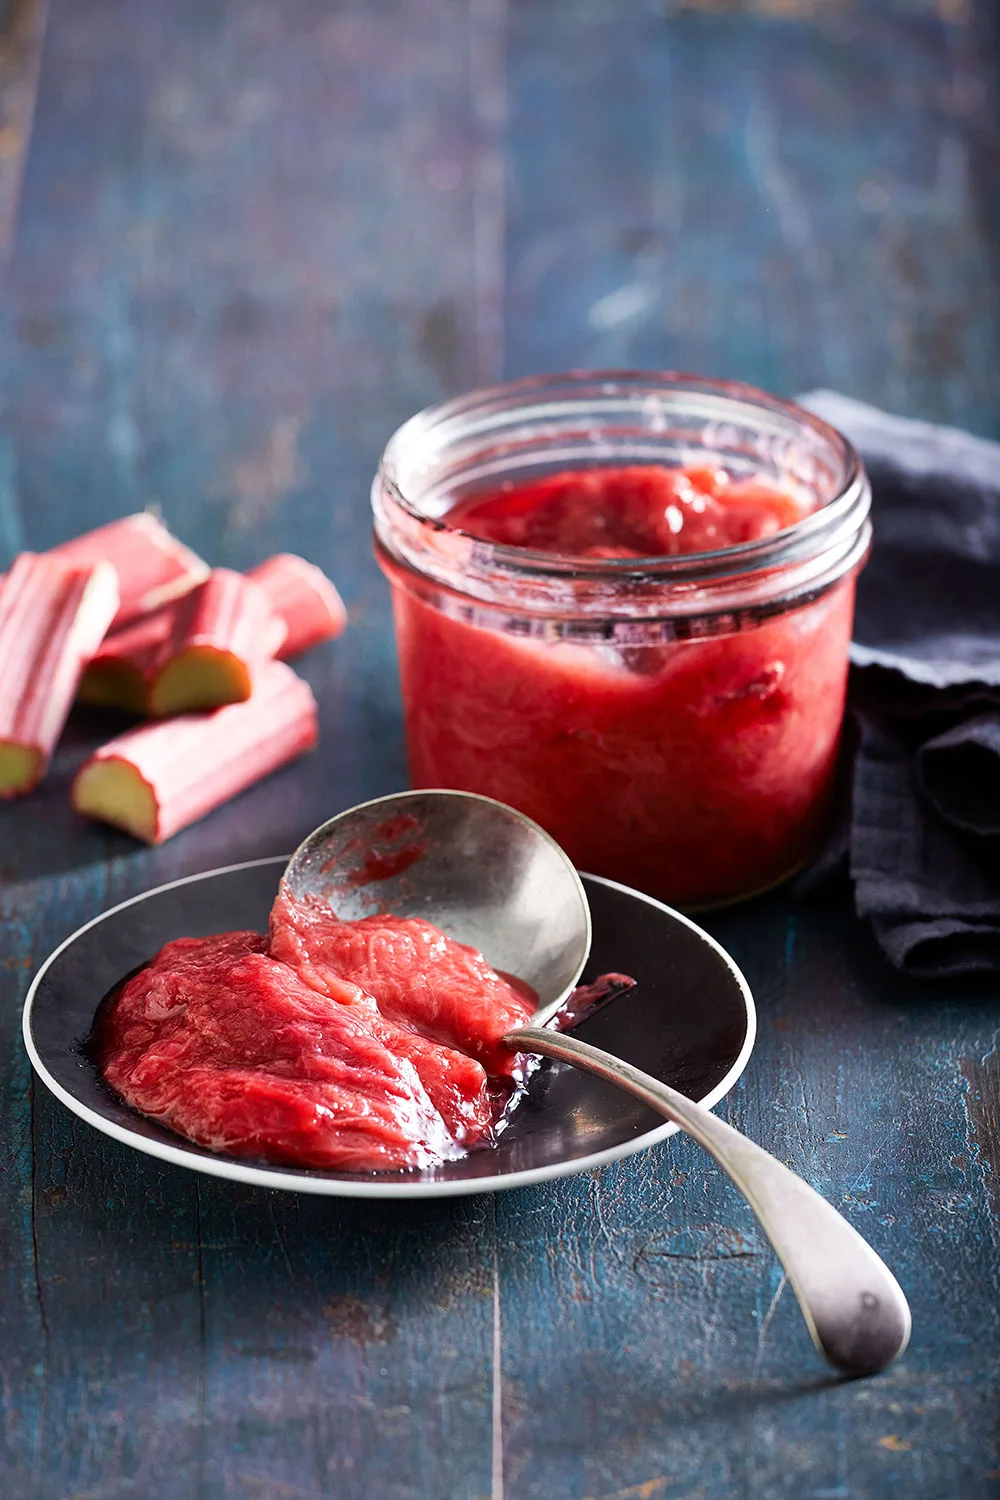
(252, 239)
(982, 1106)
(23, 27)
(731, 239)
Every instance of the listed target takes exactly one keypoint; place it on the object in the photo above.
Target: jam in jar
(623, 604)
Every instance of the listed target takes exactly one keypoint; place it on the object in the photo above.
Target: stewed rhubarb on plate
(690, 1021)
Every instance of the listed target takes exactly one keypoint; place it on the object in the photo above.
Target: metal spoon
(477, 869)
(854, 1307)
(492, 878)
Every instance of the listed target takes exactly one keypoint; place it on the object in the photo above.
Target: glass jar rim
(591, 418)
(804, 537)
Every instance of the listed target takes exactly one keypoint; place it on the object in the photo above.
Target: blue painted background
(250, 239)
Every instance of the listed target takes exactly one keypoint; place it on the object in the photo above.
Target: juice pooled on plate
(623, 605)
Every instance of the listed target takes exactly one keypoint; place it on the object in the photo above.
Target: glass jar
(673, 722)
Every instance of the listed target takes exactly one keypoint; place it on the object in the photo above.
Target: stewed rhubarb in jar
(623, 604)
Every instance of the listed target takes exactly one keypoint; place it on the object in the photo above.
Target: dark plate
(690, 1022)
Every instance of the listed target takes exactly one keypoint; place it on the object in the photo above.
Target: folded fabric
(924, 834)
(959, 774)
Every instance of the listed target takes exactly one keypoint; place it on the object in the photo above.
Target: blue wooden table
(244, 241)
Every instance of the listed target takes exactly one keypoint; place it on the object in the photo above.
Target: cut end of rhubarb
(200, 678)
(21, 768)
(155, 780)
(114, 684)
(113, 791)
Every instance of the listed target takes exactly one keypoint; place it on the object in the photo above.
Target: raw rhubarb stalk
(121, 673)
(153, 567)
(305, 598)
(53, 616)
(220, 632)
(157, 779)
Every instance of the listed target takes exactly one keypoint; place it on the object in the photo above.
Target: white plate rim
(375, 1187)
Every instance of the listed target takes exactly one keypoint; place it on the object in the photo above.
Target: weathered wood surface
(22, 26)
(251, 239)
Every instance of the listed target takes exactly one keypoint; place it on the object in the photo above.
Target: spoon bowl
(483, 873)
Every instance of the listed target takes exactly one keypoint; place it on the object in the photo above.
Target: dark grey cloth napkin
(923, 837)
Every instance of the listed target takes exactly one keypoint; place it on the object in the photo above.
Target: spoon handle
(853, 1306)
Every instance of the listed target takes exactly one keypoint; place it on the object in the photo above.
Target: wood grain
(251, 240)
(790, 193)
(22, 27)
